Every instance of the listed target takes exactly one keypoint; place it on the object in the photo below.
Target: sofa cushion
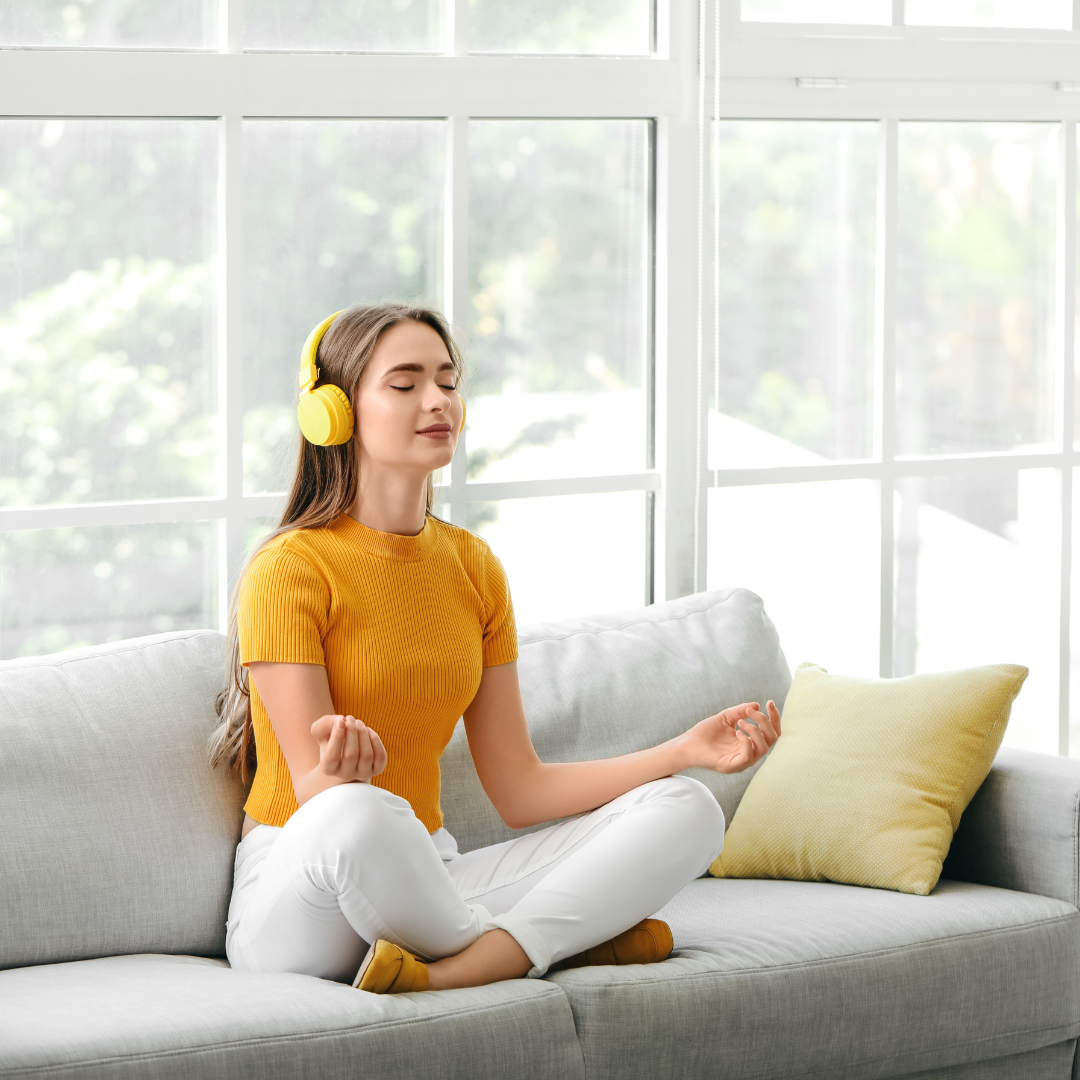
(775, 979)
(178, 1016)
(117, 835)
(611, 684)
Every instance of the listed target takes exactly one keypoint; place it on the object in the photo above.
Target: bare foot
(492, 957)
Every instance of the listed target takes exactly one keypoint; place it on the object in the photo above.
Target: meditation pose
(361, 630)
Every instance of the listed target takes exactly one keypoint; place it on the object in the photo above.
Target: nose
(438, 400)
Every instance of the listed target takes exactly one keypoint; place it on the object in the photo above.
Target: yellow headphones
(324, 412)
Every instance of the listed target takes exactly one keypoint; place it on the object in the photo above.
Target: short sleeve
(500, 630)
(282, 610)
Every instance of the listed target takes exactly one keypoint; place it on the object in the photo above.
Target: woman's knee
(353, 817)
(699, 818)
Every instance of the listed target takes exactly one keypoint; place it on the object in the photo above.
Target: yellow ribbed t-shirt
(404, 626)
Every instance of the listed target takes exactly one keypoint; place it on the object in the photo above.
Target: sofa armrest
(1022, 829)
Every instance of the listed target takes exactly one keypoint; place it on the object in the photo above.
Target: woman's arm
(322, 748)
(526, 791)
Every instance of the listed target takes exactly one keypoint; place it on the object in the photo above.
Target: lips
(436, 431)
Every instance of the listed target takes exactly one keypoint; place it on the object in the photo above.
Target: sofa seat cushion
(182, 1016)
(774, 979)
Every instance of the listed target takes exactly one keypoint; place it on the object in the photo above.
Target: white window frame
(893, 74)
(230, 85)
(766, 71)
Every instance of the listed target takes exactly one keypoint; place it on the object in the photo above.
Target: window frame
(891, 75)
(768, 71)
(229, 85)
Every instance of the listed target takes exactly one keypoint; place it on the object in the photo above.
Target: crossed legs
(354, 864)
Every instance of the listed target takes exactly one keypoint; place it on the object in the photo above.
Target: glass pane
(872, 12)
(977, 582)
(794, 380)
(107, 338)
(335, 213)
(819, 585)
(345, 25)
(975, 287)
(559, 280)
(568, 555)
(177, 24)
(256, 530)
(1035, 14)
(66, 588)
(609, 27)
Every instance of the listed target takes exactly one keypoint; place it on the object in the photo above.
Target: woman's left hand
(734, 739)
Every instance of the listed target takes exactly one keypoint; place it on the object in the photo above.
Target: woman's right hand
(348, 749)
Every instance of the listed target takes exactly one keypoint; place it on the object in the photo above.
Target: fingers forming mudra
(348, 749)
(734, 739)
(760, 731)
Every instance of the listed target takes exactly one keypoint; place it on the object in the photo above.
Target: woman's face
(408, 410)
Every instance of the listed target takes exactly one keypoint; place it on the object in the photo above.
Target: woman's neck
(390, 503)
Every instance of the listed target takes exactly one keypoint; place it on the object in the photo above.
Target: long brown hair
(323, 488)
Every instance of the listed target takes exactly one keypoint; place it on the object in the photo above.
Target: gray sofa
(116, 862)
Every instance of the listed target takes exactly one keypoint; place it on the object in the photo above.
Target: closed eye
(393, 387)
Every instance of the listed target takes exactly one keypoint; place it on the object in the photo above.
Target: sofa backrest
(118, 837)
(115, 834)
(611, 684)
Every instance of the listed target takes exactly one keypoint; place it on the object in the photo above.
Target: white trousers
(355, 864)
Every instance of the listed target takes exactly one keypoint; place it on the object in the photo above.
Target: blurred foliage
(108, 370)
(796, 277)
(346, 25)
(335, 213)
(107, 373)
(540, 433)
(65, 588)
(612, 27)
(801, 414)
(540, 26)
(178, 24)
(74, 193)
(975, 286)
(99, 398)
(557, 254)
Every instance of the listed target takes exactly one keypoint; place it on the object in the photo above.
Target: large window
(169, 234)
(889, 439)
(766, 293)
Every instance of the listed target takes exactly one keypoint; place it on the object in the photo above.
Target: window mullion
(231, 30)
(885, 376)
(456, 276)
(1066, 316)
(457, 27)
(230, 271)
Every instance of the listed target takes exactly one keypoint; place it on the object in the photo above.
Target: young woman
(361, 631)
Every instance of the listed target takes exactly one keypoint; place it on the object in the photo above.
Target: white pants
(354, 864)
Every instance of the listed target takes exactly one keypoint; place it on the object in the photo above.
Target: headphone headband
(309, 373)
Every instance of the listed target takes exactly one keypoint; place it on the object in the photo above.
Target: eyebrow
(445, 366)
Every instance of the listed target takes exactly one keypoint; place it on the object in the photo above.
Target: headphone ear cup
(325, 415)
(462, 428)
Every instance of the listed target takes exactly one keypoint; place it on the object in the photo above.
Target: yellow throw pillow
(869, 778)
